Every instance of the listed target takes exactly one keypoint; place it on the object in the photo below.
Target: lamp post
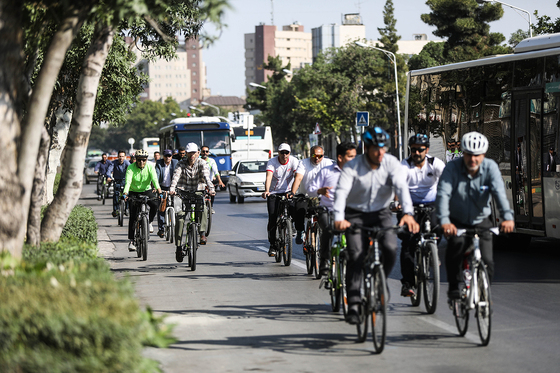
(255, 85)
(391, 57)
(511, 6)
(195, 108)
(212, 106)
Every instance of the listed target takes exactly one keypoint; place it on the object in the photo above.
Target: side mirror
(231, 173)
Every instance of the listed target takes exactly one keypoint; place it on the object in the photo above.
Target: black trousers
(135, 209)
(326, 234)
(358, 243)
(161, 215)
(456, 247)
(297, 213)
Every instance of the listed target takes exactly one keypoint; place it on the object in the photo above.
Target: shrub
(81, 225)
(56, 183)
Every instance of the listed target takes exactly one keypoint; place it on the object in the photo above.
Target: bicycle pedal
(322, 283)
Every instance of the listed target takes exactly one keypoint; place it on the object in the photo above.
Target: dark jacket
(160, 166)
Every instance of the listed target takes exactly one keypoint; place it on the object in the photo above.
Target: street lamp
(391, 57)
(212, 106)
(195, 108)
(511, 6)
(289, 72)
(255, 85)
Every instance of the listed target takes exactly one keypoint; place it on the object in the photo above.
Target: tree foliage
(545, 25)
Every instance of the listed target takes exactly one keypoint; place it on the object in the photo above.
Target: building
(291, 44)
(336, 36)
(231, 103)
(412, 47)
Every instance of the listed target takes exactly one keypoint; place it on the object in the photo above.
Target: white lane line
(451, 329)
(295, 262)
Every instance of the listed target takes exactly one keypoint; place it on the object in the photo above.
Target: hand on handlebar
(265, 195)
(507, 226)
(289, 195)
(449, 230)
(413, 226)
(342, 225)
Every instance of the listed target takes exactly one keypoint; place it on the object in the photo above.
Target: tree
(545, 25)
(465, 26)
(431, 55)
(517, 37)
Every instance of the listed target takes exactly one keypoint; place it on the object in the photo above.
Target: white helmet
(474, 143)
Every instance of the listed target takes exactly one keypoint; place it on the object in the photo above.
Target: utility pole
(272, 12)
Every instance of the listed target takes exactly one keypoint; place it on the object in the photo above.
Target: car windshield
(93, 163)
(252, 167)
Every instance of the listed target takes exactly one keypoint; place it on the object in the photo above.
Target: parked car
(89, 168)
(246, 180)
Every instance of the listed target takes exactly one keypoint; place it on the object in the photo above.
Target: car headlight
(247, 183)
(224, 173)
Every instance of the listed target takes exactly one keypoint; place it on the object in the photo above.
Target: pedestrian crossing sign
(362, 118)
(317, 129)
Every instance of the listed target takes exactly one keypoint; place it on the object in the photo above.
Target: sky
(225, 61)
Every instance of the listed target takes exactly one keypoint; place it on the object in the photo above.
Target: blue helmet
(419, 139)
(376, 136)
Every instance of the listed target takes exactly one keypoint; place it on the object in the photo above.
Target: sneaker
(151, 227)
(125, 212)
(272, 251)
(299, 237)
(115, 213)
(213, 211)
(99, 198)
(160, 233)
(131, 246)
(353, 315)
(407, 290)
(203, 239)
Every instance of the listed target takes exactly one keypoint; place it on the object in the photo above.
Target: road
(240, 311)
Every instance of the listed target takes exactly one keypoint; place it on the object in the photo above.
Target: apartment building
(335, 35)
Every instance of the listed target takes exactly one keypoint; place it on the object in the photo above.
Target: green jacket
(139, 180)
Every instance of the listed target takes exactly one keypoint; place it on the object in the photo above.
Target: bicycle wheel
(122, 206)
(138, 239)
(209, 217)
(417, 297)
(484, 305)
(430, 283)
(344, 299)
(144, 237)
(171, 224)
(379, 308)
(308, 251)
(317, 250)
(335, 289)
(193, 238)
(103, 193)
(279, 244)
(287, 247)
(461, 316)
(362, 325)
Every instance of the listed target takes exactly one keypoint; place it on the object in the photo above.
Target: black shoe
(299, 237)
(125, 212)
(353, 315)
(454, 294)
(179, 254)
(324, 267)
(272, 251)
(115, 213)
(407, 290)
(160, 233)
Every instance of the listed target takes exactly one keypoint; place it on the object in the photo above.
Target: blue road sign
(362, 118)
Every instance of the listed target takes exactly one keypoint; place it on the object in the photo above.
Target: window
(194, 64)
(194, 73)
(194, 90)
(194, 82)
(194, 55)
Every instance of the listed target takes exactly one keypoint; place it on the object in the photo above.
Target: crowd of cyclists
(355, 190)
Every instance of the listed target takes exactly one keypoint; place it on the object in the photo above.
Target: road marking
(449, 328)
(295, 262)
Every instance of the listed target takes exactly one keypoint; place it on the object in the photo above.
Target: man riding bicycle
(466, 187)
(214, 173)
(139, 177)
(119, 172)
(364, 191)
(324, 185)
(164, 169)
(102, 168)
(305, 174)
(280, 176)
(423, 173)
(192, 174)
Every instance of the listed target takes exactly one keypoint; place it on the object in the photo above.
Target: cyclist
(280, 175)
(139, 176)
(423, 173)
(164, 169)
(192, 174)
(465, 189)
(103, 167)
(364, 191)
(180, 154)
(306, 172)
(119, 172)
(324, 185)
(157, 156)
(214, 173)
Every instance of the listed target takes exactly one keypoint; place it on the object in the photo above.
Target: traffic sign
(362, 118)
(317, 129)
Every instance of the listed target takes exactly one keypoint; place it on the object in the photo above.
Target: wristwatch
(409, 213)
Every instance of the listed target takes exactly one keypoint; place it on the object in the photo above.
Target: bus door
(527, 168)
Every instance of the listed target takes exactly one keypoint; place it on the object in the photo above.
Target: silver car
(89, 169)
(246, 180)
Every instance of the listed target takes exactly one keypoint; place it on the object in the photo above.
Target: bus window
(186, 137)
(217, 142)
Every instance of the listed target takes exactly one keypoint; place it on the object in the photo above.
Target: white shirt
(309, 172)
(212, 166)
(327, 177)
(166, 181)
(282, 174)
(422, 182)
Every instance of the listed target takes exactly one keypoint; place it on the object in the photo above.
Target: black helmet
(376, 136)
(419, 139)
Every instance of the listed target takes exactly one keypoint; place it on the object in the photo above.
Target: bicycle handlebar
(374, 231)
(472, 231)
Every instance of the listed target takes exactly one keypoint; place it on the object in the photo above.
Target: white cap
(284, 146)
(191, 147)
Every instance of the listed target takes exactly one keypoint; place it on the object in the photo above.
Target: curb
(105, 246)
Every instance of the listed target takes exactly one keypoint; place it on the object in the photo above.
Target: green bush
(56, 183)
(61, 310)
(81, 225)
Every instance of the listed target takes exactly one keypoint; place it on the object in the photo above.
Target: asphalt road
(240, 311)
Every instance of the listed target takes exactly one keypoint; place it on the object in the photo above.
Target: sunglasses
(141, 160)
(167, 155)
(284, 152)
(205, 151)
(417, 150)
(318, 156)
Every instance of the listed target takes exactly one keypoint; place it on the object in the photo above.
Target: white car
(246, 180)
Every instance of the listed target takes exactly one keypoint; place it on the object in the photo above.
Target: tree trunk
(76, 146)
(11, 91)
(58, 142)
(38, 192)
(39, 102)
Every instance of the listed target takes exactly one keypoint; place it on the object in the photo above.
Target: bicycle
(169, 218)
(336, 280)
(208, 202)
(311, 242)
(193, 203)
(284, 236)
(426, 261)
(119, 187)
(141, 232)
(373, 290)
(102, 181)
(476, 293)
